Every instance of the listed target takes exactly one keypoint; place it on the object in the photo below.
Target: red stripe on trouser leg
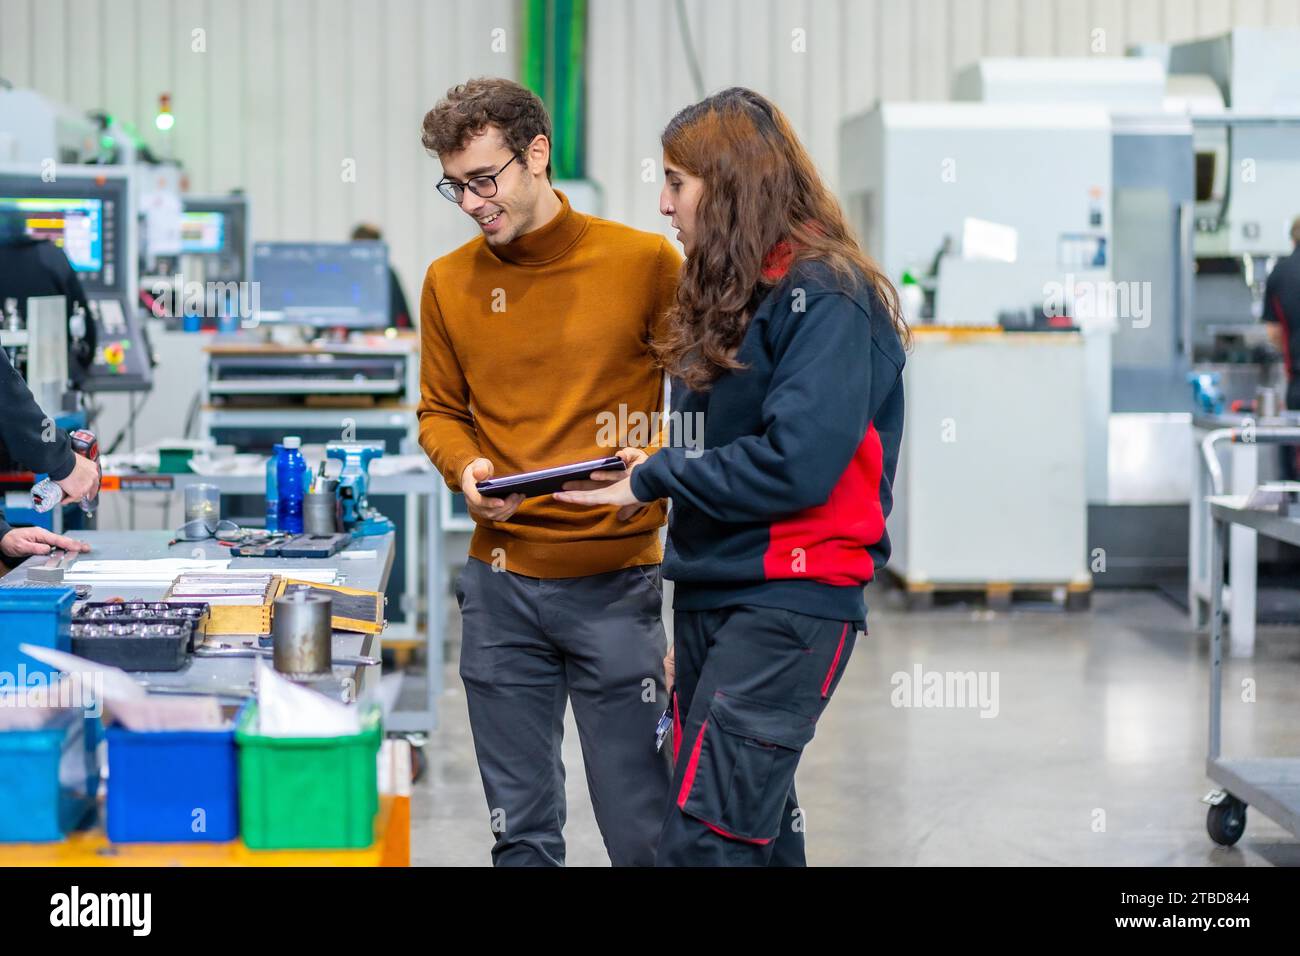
(677, 730)
(688, 780)
(830, 674)
(688, 776)
(732, 836)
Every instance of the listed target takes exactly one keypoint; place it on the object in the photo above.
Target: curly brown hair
(470, 108)
(762, 195)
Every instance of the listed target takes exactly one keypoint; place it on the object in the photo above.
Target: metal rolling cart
(1271, 784)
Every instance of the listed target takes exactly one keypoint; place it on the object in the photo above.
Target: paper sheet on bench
(160, 572)
(127, 700)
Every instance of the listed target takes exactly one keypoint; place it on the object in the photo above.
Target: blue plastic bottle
(272, 489)
(289, 481)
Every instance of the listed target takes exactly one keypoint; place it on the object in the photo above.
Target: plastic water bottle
(272, 486)
(289, 482)
(911, 298)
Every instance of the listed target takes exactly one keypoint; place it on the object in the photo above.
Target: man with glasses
(534, 334)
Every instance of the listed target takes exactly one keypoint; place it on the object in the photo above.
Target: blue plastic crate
(48, 779)
(40, 616)
(172, 786)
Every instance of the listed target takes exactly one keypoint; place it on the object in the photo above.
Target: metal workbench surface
(1209, 422)
(232, 677)
(1232, 508)
(426, 485)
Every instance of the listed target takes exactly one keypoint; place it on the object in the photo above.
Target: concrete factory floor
(1093, 752)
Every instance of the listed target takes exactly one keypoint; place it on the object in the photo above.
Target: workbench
(392, 847)
(231, 677)
(423, 485)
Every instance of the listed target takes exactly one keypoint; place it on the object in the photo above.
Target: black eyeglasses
(485, 187)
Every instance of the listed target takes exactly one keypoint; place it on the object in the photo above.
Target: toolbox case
(40, 616)
(308, 792)
(243, 619)
(172, 786)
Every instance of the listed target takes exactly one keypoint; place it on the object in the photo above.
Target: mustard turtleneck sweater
(527, 349)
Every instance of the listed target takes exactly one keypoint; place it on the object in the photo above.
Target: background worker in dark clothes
(399, 314)
(788, 342)
(530, 333)
(36, 267)
(28, 439)
(1282, 308)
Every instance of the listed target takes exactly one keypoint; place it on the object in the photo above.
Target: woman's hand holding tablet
(611, 486)
(532, 484)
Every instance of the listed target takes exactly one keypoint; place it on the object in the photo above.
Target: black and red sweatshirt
(783, 503)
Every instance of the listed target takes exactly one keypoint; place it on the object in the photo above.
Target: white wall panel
(289, 89)
(898, 49)
(282, 94)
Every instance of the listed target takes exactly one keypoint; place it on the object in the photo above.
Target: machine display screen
(203, 232)
(74, 225)
(323, 283)
(86, 216)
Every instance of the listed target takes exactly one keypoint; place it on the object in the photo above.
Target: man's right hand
(485, 509)
(82, 481)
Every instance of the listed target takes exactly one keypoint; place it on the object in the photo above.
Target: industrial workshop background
(275, 95)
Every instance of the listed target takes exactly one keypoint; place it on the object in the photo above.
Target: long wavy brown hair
(762, 196)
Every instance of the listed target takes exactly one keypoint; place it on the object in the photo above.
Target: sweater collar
(547, 243)
(777, 261)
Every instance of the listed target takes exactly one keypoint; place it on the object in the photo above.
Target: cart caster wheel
(419, 764)
(919, 599)
(1078, 600)
(1227, 821)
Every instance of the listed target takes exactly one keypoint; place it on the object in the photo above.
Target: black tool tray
(139, 635)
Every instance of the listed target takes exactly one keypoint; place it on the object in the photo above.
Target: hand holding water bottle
(83, 481)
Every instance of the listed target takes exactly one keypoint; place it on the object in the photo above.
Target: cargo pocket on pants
(741, 767)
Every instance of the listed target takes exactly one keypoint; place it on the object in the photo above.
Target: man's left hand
(24, 542)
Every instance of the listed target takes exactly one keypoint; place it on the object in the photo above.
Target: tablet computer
(531, 484)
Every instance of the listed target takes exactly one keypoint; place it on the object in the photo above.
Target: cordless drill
(85, 444)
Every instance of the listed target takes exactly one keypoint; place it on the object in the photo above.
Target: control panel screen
(74, 225)
(203, 232)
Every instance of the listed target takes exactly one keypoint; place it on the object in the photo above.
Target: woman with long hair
(786, 343)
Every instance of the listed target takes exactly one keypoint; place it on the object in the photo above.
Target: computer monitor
(323, 283)
(86, 216)
(203, 232)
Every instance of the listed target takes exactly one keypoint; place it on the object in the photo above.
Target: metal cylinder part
(301, 634)
(1266, 404)
(320, 512)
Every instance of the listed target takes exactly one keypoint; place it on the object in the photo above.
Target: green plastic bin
(308, 793)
